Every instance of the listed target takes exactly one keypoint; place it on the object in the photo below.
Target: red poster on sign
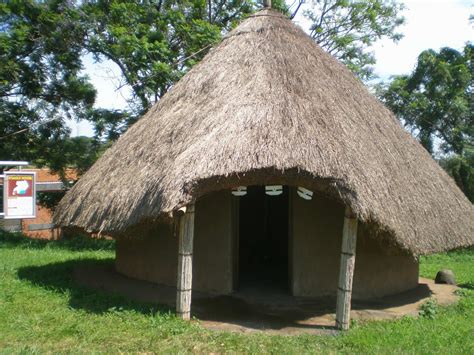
(20, 186)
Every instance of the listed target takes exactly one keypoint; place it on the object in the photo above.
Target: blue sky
(429, 24)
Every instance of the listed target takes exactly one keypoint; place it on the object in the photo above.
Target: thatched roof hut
(268, 106)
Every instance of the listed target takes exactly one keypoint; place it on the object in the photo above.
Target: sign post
(19, 195)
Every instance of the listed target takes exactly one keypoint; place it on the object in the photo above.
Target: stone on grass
(445, 277)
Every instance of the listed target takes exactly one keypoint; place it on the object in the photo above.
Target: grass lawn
(42, 310)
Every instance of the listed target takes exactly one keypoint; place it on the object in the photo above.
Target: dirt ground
(270, 311)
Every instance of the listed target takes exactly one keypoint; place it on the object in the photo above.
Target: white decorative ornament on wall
(305, 193)
(274, 190)
(240, 191)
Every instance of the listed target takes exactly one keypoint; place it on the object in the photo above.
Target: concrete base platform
(269, 310)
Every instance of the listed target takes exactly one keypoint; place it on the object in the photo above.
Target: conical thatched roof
(268, 105)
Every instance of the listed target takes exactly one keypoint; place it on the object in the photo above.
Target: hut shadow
(298, 313)
(59, 277)
(234, 312)
(95, 286)
(417, 294)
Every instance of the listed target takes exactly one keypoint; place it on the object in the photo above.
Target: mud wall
(316, 236)
(315, 242)
(154, 257)
(151, 257)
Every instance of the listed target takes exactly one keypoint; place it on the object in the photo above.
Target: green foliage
(435, 104)
(43, 310)
(41, 48)
(49, 200)
(153, 43)
(461, 168)
(41, 85)
(347, 29)
(77, 152)
(429, 309)
(40, 80)
(435, 100)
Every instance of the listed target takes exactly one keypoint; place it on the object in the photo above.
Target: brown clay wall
(154, 257)
(316, 243)
(380, 272)
(212, 263)
(315, 238)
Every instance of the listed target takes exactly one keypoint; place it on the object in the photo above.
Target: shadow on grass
(105, 290)
(467, 285)
(59, 278)
(73, 243)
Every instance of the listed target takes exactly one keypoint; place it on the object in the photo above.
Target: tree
(153, 42)
(461, 168)
(42, 44)
(41, 83)
(435, 104)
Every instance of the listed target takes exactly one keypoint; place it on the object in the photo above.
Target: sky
(429, 24)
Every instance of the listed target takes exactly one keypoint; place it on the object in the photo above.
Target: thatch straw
(268, 105)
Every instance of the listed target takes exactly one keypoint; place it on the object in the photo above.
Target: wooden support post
(346, 272)
(185, 263)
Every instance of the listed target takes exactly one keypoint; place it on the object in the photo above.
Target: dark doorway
(263, 239)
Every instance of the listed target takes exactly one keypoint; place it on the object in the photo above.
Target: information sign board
(19, 195)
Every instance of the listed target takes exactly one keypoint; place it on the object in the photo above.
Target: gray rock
(445, 277)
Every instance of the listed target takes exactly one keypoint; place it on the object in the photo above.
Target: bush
(429, 309)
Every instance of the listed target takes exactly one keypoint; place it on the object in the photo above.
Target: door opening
(263, 239)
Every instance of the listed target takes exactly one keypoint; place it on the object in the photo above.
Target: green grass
(42, 310)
